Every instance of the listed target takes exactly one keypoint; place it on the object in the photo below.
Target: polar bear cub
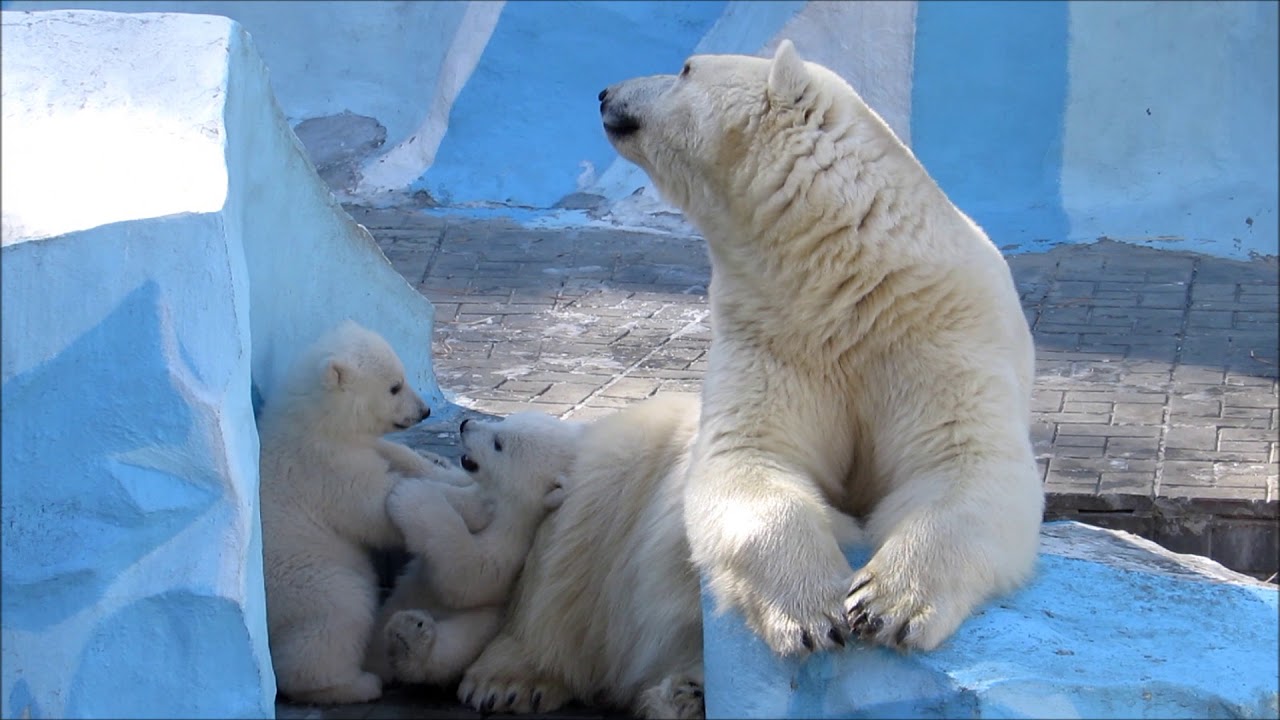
(449, 601)
(326, 473)
(869, 352)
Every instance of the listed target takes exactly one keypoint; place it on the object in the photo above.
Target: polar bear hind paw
(676, 697)
(410, 635)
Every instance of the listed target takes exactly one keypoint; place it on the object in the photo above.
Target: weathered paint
(1032, 116)
(1138, 633)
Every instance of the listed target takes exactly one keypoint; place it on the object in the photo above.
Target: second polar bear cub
(450, 600)
(326, 473)
(869, 351)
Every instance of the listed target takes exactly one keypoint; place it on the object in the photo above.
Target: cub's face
(524, 455)
(390, 399)
(366, 383)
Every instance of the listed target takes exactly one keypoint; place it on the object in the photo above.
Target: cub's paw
(437, 461)
(410, 635)
(677, 696)
(514, 695)
(893, 609)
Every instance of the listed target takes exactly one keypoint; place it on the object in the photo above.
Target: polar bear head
(352, 384)
(527, 454)
(730, 129)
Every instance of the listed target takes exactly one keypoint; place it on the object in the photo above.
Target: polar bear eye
(497, 444)
(395, 389)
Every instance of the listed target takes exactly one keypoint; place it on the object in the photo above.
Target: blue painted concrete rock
(167, 249)
(1112, 626)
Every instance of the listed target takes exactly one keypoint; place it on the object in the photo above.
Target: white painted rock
(1112, 626)
(166, 244)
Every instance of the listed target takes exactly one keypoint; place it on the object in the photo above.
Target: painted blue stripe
(988, 105)
(529, 114)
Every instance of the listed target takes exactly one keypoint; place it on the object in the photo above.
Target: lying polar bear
(326, 473)
(607, 608)
(869, 352)
(449, 601)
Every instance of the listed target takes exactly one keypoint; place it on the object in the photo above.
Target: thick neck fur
(336, 419)
(808, 224)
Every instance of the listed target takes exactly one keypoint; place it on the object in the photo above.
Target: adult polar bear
(869, 352)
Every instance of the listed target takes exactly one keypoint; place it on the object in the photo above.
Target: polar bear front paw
(887, 608)
(493, 693)
(410, 635)
(795, 628)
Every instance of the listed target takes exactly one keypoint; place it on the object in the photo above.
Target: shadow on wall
(65, 542)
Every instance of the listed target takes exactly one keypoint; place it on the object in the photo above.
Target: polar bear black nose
(603, 94)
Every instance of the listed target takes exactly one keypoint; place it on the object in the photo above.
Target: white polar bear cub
(325, 477)
(869, 352)
(449, 601)
(607, 607)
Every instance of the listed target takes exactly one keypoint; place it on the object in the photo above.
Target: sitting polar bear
(869, 352)
(326, 473)
(449, 601)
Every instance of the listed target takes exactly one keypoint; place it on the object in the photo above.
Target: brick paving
(1155, 407)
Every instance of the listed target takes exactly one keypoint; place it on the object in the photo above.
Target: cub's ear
(336, 374)
(555, 498)
(788, 76)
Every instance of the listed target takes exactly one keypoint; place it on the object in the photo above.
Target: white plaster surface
(1171, 125)
(132, 578)
(404, 163)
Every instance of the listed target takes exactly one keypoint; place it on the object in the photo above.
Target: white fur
(607, 607)
(869, 353)
(325, 476)
(449, 602)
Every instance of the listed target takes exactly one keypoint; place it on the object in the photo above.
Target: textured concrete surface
(1111, 626)
(1155, 405)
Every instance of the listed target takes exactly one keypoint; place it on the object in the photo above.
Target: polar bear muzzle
(619, 103)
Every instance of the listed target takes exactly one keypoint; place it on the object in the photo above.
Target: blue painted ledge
(1112, 626)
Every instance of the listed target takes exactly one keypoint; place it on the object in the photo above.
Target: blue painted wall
(529, 111)
(987, 108)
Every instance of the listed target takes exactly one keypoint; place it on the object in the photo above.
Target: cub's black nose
(603, 94)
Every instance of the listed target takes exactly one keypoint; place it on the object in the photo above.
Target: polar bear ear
(788, 76)
(336, 373)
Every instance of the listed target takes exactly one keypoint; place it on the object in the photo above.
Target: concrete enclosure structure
(167, 249)
(1048, 122)
(1111, 626)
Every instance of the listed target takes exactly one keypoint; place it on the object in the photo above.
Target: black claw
(856, 624)
(488, 703)
(467, 699)
(873, 626)
(697, 692)
(858, 584)
(511, 699)
(836, 637)
(856, 608)
(537, 699)
(806, 640)
(903, 633)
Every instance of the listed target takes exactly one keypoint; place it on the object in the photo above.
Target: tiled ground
(1155, 402)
